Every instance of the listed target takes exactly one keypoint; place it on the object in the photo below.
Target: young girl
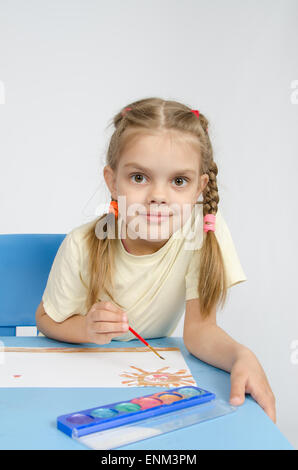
(158, 252)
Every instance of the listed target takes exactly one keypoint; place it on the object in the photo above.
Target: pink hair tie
(196, 112)
(211, 226)
(124, 112)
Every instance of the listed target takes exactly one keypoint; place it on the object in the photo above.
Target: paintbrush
(133, 332)
(145, 342)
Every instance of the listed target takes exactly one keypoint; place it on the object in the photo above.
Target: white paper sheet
(68, 367)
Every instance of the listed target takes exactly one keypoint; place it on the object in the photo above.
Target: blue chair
(25, 263)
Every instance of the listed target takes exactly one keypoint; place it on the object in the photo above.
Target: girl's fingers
(110, 307)
(107, 311)
(105, 321)
(269, 408)
(109, 327)
(102, 338)
(106, 315)
(237, 394)
(267, 402)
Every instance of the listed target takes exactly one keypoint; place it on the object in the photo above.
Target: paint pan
(121, 423)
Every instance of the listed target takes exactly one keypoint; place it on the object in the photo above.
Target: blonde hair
(155, 115)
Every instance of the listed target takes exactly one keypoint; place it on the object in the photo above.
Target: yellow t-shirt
(151, 288)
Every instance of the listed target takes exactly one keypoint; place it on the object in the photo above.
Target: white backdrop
(66, 67)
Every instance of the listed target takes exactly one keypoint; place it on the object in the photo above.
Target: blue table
(28, 415)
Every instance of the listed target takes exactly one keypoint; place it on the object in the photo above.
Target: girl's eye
(136, 174)
(181, 178)
(177, 178)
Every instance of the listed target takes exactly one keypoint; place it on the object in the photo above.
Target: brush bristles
(155, 352)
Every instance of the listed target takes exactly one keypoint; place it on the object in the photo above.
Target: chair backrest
(25, 263)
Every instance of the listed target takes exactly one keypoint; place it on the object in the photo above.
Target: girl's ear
(110, 180)
(204, 179)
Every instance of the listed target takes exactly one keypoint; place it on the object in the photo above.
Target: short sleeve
(234, 270)
(65, 294)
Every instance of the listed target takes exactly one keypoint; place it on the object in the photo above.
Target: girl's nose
(157, 197)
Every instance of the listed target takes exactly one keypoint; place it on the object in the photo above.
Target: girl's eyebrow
(139, 167)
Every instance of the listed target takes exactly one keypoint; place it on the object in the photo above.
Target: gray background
(68, 66)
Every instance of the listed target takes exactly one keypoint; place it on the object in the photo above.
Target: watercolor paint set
(121, 423)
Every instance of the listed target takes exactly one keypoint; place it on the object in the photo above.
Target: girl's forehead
(165, 137)
(148, 147)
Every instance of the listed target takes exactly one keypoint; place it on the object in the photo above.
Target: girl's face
(156, 174)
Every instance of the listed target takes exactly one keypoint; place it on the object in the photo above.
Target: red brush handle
(138, 336)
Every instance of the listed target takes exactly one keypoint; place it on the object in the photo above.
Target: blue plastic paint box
(124, 412)
(116, 424)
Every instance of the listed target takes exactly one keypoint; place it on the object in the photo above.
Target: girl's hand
(247, 376)
(104, 321)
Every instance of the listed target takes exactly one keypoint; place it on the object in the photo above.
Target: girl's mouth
(156, 217)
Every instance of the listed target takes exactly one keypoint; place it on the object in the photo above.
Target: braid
(210, 194)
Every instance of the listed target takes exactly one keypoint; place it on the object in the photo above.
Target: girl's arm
(100, 325)
(207, 341)
(71, 330)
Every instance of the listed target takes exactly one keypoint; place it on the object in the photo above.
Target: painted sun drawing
(158, 378)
